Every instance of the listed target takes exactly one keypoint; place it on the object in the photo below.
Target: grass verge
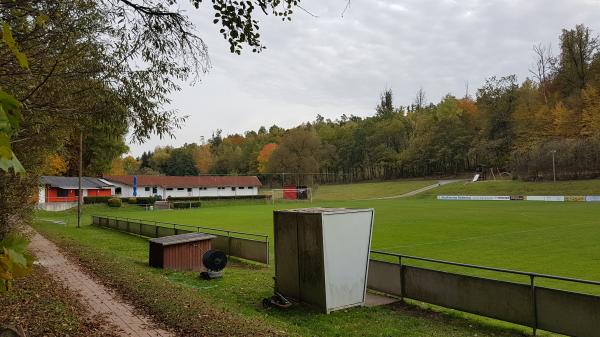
(43, 307)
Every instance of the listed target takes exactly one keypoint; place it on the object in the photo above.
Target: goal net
(291, 194)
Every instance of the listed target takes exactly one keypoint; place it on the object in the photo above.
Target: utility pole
(553, 165)
(79, 195)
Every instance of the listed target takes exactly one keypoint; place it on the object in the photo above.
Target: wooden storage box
(180, 252)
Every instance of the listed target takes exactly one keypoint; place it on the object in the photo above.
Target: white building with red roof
(184, 186)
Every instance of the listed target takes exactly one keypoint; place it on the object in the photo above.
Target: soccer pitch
(551, 238)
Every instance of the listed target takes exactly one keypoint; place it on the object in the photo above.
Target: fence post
(401, 278)
(228, 243)
(175, 230)
(533, 304)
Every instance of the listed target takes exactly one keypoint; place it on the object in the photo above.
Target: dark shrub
(173, 199)
(235, 197)
(95, 200)
(115, 202)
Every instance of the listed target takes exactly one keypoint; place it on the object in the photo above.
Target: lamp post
(553, 165)
(79, 194)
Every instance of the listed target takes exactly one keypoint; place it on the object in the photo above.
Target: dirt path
(99, 299)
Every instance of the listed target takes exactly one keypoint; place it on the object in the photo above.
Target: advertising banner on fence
(592, 198)
(575, 198)
(545, 198)
(473, 197)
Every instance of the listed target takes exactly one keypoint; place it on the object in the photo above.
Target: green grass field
(368, 190)
(551, 238)
(515, 187)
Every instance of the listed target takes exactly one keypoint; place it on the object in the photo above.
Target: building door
(189, 191)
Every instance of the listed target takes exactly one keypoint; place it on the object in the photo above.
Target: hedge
(170, 199)
(233, 197)
(140, 200)
(183, 204)
(115, 202)
(135, 200)
(96, 200)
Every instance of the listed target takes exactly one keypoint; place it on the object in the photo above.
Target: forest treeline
(507, 126)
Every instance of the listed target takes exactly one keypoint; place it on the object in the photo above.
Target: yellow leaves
(116, 167)
(14, 260)
(13, 46)
(10, 110)
(41, 20)
(204, 159)
(590, 118)
(566, 121)
(55, 165)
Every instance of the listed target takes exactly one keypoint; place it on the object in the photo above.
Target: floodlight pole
(79, 178)
(553, 165)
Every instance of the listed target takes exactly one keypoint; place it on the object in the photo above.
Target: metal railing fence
(554, 310)
(249, 246)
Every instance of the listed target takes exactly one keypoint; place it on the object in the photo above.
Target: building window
(154, 190)
(189, 189)
(241, 187)
(147, 188)
(180, 188)
(62, 193)
(117, 190)
(233, 188)
(169, 188)
(250, 187)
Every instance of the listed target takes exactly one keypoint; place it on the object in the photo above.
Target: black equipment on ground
(277, 301)
(214, 261)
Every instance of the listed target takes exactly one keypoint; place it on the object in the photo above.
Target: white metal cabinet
(322, 254)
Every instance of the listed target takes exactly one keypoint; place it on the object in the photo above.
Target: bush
(115, 202)
(96, 200)
(183, 199)
(233, 197)
(140, 200)
(147, 200)
(183, 204)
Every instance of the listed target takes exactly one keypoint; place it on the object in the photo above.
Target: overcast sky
(333, 65)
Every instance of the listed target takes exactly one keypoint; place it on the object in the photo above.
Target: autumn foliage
(264, 155)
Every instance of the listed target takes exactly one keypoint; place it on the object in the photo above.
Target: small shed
(181, 252)
(322, 255)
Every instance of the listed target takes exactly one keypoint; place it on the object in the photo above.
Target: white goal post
(291, 194)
